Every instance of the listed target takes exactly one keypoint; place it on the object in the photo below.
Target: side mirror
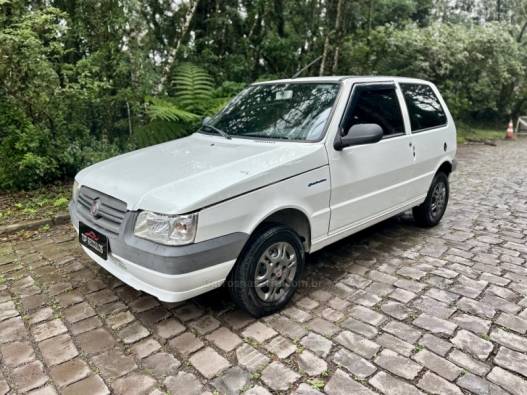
(206, 120)
(362, 133)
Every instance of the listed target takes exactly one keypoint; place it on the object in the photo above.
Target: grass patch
(467, 134)
(40, 203)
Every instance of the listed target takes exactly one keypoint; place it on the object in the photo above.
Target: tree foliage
(84, 80)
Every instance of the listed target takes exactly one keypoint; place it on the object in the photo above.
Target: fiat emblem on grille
(95, 207)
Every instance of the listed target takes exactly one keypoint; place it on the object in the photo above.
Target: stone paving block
(281, 347)
(48, 329)
(120, 319)
(307, 303)
(12, 329)
(161, 364)
(511, 360)
(357, 343)
(433, 307)
(279, 377)
(113, 364)
(58, 349)
(509, 339)
(92, 385)
(478, 385)
(367, 315)
(512, 322)
(393, 343)
(342, 384)
(232, 381)
(311, 364)
(287, 328)
(96, 341)
(169, 328)
(145, 347)
(402, 331)
(388, 384)
(29, 376)
(512, 383)
(475, 307)
(332, 315)
(184, 383)
(468, 363)
(360, 327)
(224, 339)
(133, 333)
(402, 295)
(397, 364)
(303, 389)
(353, 363)
(435, 325)
(16, 353)
(43, 314)
(322, 327)
(143, 303)
(133, 384)
(186, 343)
(85, 325)
(438, 365)
(435, 344)
(472, 344)
(70, 372)
(297, 314)
(434, 384)
(78, 312)
(259, 332)
(250, 358)
(205, 324)
(475, 324)
(318, 344)
(208, 362)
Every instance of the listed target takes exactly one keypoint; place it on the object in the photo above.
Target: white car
(287, 168)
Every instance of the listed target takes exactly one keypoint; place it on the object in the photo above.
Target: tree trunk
(522, 32)
(338, 36)
(324, 56)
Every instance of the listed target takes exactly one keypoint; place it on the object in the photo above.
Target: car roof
(338, 79)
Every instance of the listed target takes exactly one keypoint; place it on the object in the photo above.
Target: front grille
(111, 213)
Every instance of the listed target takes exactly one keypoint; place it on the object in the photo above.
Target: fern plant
(194, 88)
(175, 116)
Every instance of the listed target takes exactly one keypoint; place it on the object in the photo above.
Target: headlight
(76, 189)
(166, 229)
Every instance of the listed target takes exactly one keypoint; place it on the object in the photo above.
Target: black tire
(241, 282)
(429, 213)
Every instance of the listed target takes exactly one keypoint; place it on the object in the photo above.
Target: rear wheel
(267, 273)
(431, 211)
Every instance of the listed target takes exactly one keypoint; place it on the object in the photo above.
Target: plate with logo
(93, 240)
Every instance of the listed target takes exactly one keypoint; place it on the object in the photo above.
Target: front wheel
(267, 273)
(430, 212)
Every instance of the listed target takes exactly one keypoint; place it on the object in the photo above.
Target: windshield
(279, 111)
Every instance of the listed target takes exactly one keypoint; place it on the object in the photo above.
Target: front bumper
(170, 273)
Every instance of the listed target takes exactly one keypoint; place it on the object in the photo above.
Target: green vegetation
(83, 81)
(466, 134)
(35, 204)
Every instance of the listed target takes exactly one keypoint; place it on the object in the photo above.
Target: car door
(430, 135)
(368, 181)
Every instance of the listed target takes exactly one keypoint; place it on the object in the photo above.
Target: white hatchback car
(287, 168)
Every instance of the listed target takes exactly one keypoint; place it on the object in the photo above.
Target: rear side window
(376, 104)
(423, 106)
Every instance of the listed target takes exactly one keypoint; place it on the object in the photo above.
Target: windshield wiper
(219, 131)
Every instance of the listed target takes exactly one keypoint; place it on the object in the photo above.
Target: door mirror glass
(362, 133)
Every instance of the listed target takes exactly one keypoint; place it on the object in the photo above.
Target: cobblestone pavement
(395, 309)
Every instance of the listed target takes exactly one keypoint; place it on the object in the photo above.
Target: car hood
(187, 174)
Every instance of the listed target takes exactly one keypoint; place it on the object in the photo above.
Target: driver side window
(375, 104)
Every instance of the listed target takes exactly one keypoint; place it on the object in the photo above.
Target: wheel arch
(292, 217)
